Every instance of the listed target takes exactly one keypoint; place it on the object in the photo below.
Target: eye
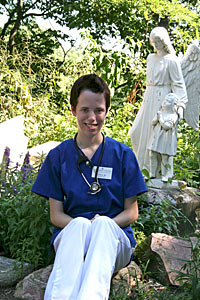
(84, 109)
(99, 110)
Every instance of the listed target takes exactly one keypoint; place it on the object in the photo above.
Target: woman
(91, 182)
(163, 76)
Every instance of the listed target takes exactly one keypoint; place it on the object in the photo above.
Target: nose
(91, 115)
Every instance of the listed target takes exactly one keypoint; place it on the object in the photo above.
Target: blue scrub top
(60, 179)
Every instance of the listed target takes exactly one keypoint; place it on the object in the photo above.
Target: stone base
(159, 184)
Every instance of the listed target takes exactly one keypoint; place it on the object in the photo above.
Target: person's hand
(95, 217)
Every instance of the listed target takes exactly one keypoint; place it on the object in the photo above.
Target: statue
(190, 65)
(165, 74)
(163, 141)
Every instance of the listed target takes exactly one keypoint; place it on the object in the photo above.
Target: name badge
(103, 172)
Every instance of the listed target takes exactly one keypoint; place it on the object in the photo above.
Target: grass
(151, 290)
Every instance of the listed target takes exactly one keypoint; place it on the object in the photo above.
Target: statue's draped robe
(164, 75)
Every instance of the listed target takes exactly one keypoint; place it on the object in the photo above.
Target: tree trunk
(16, 26)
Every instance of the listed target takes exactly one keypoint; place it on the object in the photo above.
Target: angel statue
(164, 75)
(190, 65)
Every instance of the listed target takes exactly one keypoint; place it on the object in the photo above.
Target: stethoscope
(95, 187)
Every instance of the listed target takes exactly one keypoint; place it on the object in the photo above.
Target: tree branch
(9, 22)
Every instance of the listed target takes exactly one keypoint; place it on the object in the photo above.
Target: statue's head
(161, 34)
(170, 102)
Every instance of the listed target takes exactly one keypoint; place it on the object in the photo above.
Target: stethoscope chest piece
(95, 187)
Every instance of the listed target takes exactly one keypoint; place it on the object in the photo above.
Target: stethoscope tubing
(83, 158)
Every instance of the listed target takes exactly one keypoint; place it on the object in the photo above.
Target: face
(156, 43)
(90, 113)
(167, 103)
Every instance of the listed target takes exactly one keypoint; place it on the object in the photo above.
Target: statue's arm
(177, 82)
(166, 124)
(155, 120)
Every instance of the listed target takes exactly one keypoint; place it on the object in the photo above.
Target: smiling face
(90, 113)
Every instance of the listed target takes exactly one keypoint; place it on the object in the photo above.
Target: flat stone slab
(12, 271)
(159, 184)
(40, 150)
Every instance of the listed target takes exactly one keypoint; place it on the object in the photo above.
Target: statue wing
(190, 65)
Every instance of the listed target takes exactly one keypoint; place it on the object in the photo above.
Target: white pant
(87, 254)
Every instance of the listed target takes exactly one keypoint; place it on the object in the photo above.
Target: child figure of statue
(163, 141)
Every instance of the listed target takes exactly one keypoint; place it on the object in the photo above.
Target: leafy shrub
(25, 229)
(163, 218)
(187, 159)
(191, 276)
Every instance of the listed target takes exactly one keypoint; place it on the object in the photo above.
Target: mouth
(92, 126)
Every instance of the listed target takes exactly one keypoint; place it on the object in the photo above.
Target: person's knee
(79, 222)
(103, 221)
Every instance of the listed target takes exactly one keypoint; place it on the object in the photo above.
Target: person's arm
(129, 214)
(57, 215)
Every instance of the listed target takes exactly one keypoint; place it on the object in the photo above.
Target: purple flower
(7, 151)
(14, 189)
(158, 208)
(3, 183)
(27, 159)
(7, 162)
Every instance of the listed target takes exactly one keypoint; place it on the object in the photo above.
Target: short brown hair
(92, 83)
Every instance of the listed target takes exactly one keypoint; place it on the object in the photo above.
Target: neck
(87, 142)
(161, 52)
(89, 145)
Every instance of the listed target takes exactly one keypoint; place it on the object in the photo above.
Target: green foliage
(189, 275)
(133, 19)
(163, 217)
(25, 228)
(38, 88)
(187, 159)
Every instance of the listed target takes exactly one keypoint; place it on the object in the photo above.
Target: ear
(73, 110)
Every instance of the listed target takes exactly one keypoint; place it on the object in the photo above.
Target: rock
(165, 253)
(125, 279)
(187, 199)
(12, 136)
(12, 271)
(33, 286)
(41, 150)
(159, 184)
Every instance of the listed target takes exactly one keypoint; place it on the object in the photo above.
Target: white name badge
(103, 172)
